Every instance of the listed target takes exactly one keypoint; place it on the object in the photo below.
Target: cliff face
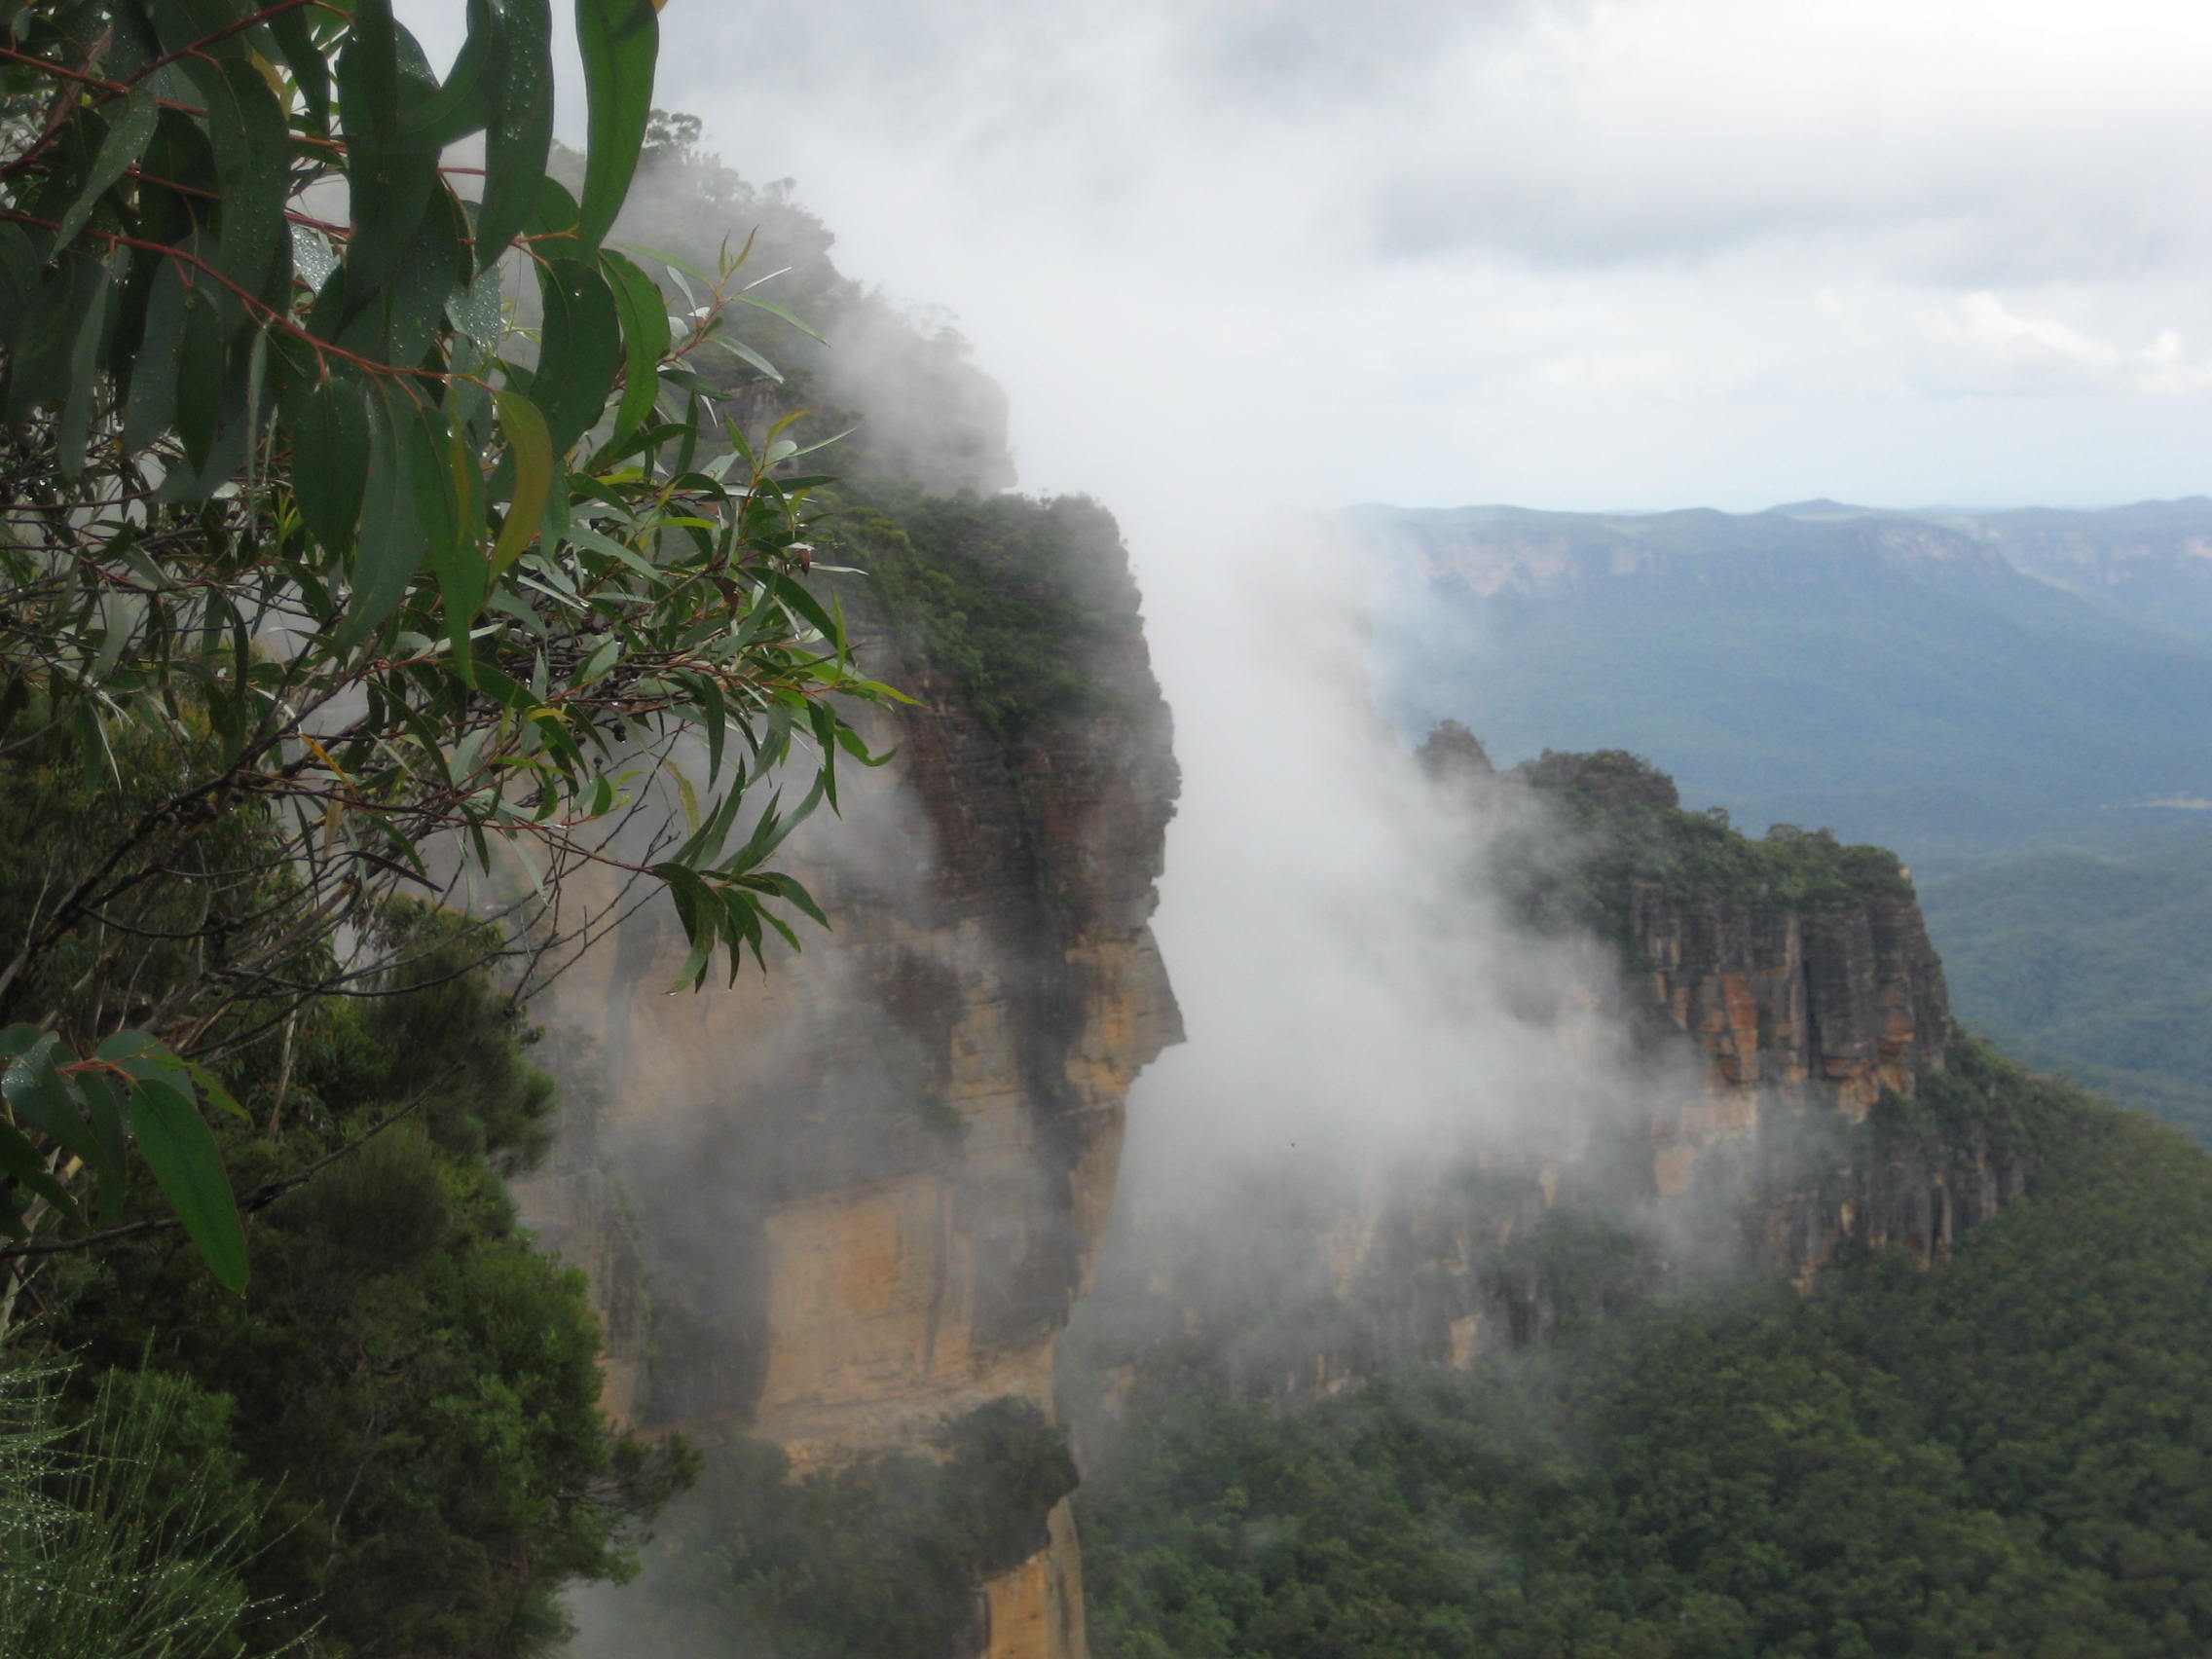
(1782, 1091)
(1819, 1030)
(860, 1191)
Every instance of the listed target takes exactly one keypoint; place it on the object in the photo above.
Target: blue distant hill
(1953, 685)
(2018, 702)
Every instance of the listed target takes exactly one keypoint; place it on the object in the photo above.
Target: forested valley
(1994, 1446)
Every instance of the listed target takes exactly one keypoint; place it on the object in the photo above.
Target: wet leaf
(619, 39)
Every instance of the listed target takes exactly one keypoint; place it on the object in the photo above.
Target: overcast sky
(1562, 255)
(1658, 253)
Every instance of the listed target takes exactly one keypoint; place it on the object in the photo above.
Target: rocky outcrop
(861, 1190)
(1820, 1030)
(1783, 1089)
(1803, 973)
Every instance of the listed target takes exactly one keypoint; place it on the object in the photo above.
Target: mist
(1571, 255)
(1238, 265)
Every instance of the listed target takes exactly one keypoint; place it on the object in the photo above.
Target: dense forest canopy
(2009, 1454)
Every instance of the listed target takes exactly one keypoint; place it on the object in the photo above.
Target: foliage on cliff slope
(1635, 832)
(403, 1412)
(1006, 597)
(2009, 1456)
(898, 382)
(878, 1558)
(409, 1398)
(2004, 1454)
(2102, 965)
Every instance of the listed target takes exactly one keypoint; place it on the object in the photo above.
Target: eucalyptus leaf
(474, 307)
(645, 340)
(199, 374)
(252, 164)
(582, 349)
(311, 70)
(619, 41)
(519, 135)
(173, 1140)
(391, 175)
(131, 126)
(532, 448)
(85, 389)
(330, 458)
(393, 540)
(103, 1108)
(39, 1096)
(19, 1159)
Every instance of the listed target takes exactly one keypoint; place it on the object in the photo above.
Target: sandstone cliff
(1825, 1117)
(1783, 1085)
(843, 1207)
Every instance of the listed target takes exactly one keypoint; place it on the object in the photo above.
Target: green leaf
(151, 407)
(128, 1046)
(716, 718)
(474, 308)
(645, 340)
(103, 1105)
(463, 105)
(794, 594)
(309, 68)
(399, 322)
(533, 450)
(177, 1148)
(391, 175)
(200, 376)
(252, 167)
(686, 795)
(745, 355)
(19, 279)
(698, 912)
(456, 554)
(22, 1160)
(330, 459)
(791, 892)
(134, 120)
(212, 1087)
(519, 133)
(581, 350)
(392, 541)
(85, 380)
(620, 40)
(420, 428)
(46, 338)
(774, 311)
(42, 1097)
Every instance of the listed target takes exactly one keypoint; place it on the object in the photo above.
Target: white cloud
(1565, 253)
(1989, 346)
(1430, 258)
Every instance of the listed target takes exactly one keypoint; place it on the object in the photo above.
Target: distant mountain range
(1950, 684)
(2150, 562)
(2017, 702)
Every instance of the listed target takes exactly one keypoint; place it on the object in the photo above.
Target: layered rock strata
(1777, 1092)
